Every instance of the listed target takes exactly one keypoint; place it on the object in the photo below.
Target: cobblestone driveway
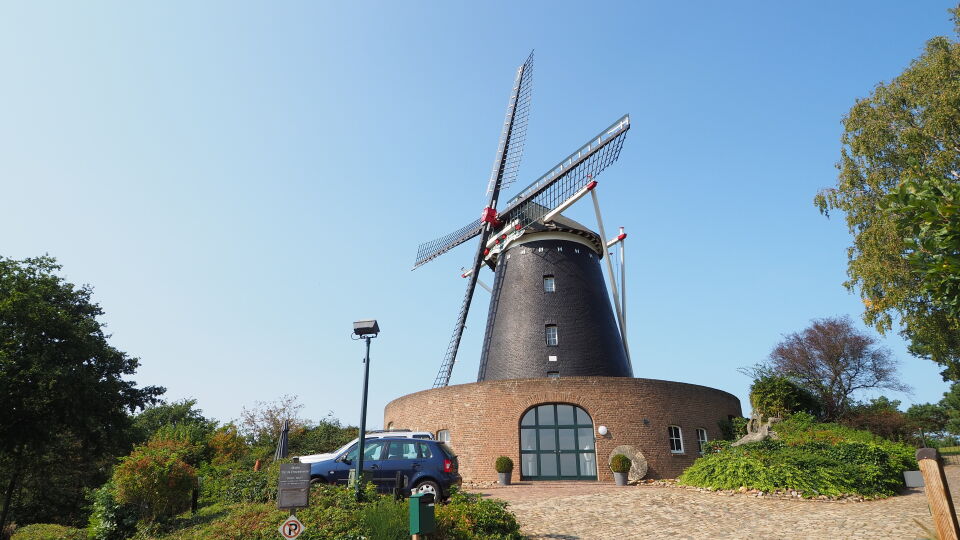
(590, 511)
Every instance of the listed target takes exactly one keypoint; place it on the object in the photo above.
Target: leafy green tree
(834, 360)
(61, 382)
(161, 414)
(951, 405)
(907, 130)
(928, 419)
(778, 396)
(156, 478)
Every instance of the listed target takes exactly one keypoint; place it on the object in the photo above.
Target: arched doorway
(557, 443)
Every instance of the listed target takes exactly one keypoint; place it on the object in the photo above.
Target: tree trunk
(11, 487)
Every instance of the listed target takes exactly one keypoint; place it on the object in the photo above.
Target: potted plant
(504, 467)
(620, 465)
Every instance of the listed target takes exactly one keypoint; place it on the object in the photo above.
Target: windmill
(536, 207)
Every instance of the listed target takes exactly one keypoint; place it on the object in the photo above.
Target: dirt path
(590, 511)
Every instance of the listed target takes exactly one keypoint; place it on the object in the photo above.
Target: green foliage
(65, 392)
(733, 429)
(929, 418)
(109, 519)
(469, 516)
(334, 514)
(156, 479)
(928, 210)
(778, 396)
(815, 459)
(902, 140)
(161, 415)
(504, 464)
(386, 519)
(326, 436)
(46, 531)
(620, 463)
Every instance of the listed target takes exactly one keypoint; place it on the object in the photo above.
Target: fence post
(938, 494)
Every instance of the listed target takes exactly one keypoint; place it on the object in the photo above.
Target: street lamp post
(365, 330)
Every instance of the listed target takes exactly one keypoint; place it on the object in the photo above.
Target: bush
(776, 396)
(468, 516)
(620, 464)
(110, 520)
(156, 479)
(814, 459)
(226, 445)
(733, 429)
(46, 531)
(504, 464)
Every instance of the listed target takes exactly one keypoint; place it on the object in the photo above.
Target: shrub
(155, 478)
(815, 459)
(46, 531)
(468, 516)
(734, 428)
(226, 445)
(504, 464)
(776, 396)
(109, 519)
(620, 463)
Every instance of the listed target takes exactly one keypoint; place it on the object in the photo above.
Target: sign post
(293, 491)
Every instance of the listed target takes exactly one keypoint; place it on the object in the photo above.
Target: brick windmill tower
(555, 388)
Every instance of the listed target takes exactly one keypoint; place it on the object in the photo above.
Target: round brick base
(484, 418)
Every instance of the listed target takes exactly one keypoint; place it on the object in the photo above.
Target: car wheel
(428, 486)
(317, 480)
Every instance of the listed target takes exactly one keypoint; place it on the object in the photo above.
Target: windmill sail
(567, 177)
(428, 251)
(509, 151)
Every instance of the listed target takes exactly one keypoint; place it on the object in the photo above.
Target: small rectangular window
(551, 333)
(676, 440)
(443, 435)
(702, 440)
(549, 285)
(551, 358)
(553, 374)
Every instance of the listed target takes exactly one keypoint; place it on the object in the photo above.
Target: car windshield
(371, 450)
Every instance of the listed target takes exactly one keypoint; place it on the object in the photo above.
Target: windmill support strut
(613, 281)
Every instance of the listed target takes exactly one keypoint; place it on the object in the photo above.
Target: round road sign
(291, 528)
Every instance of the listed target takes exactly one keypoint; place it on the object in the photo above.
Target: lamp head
(366, 328)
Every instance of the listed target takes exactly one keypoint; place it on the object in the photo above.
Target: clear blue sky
(240, 181)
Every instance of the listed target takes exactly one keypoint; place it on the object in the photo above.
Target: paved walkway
(589, 511)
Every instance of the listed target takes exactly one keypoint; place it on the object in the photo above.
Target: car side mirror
(345, 459)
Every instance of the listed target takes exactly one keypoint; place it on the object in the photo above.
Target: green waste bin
(422, 518)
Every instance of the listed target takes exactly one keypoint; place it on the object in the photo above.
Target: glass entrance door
(557, 443)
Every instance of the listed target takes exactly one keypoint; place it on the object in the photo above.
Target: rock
(639, 468)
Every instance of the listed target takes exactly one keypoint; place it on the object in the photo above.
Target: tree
(927, 418)
(880, 416)
(906, 130)
(951, 404)
(162, 414)
(262, 423)
(61, 382)
(777, 396)
(833, 360)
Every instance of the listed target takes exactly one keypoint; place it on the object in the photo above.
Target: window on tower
(551, 333)
(549, 284)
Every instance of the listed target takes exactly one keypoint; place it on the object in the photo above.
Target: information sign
(293, 490)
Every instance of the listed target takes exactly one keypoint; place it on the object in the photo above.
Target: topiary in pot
(620, 465)
(504, 466)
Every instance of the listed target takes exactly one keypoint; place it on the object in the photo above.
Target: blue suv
(425, 466)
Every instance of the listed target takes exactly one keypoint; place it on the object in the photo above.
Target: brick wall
(484, 418)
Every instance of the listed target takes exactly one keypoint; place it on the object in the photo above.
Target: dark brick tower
(550, 314)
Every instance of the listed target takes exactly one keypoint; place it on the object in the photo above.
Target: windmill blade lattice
(428, 251)
(506, 164)
(567, 177)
